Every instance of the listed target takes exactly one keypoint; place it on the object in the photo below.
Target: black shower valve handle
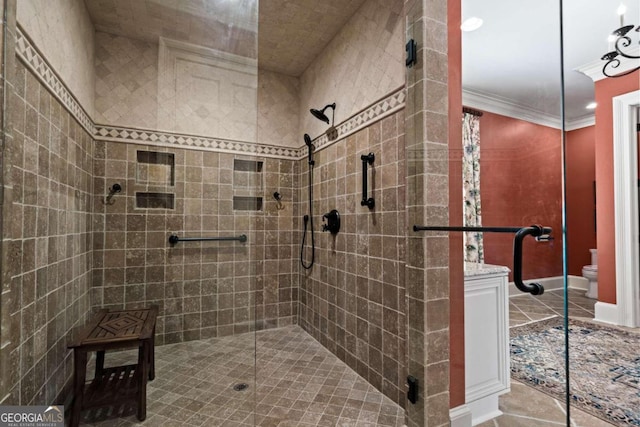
(332, 219)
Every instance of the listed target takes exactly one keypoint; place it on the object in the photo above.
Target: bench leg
(79, 377)
(152, 356)
(99, 363)
(143, 365)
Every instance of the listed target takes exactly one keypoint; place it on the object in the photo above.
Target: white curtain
(473, 246)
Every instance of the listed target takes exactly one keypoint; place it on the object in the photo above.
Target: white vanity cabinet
(486, 331)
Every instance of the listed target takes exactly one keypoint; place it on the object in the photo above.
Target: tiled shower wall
(63, 30)
(48, 239)
(203, 289)
(353, 300)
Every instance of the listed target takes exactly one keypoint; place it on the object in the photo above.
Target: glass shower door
(177, 107)
(509, 171)
(602, 94)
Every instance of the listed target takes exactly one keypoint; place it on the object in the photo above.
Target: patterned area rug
(604, 370)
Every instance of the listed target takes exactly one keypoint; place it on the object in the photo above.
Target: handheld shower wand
(307, 141)
(308, 219)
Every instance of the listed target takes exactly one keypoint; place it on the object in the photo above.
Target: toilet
(590, 272)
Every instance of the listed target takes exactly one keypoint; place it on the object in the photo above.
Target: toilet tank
(594, 256)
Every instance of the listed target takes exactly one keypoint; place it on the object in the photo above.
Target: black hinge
(412, 393)
(412, 53)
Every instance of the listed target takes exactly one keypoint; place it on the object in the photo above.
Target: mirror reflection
(543, 130)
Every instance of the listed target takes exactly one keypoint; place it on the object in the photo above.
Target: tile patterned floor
(299, 383)
(525, 406)
(527, 308)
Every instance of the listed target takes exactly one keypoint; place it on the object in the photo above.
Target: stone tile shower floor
(300, 383)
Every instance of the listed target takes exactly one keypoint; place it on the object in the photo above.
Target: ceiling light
(471, 24)
(622, 9)
(621, 39)
(591, 106)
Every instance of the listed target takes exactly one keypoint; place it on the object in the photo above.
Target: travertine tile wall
(427, 261)
(126, 94)
(126, 81)
(203, 289)
(277, 290)
(353, 299)
(62, 29)
(278, 107)
(47, 239)
(7, 35)
(363, 63)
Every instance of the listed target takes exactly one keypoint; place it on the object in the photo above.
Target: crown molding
(505, 107)
(581, 122)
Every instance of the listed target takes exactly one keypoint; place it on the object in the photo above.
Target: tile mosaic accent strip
(34, 60)
(151, 137)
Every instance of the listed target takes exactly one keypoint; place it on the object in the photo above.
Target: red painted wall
(521, 184)
(605, 90)
(581, 175)
(456, 273)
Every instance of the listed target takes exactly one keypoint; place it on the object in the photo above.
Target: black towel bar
(173, 239)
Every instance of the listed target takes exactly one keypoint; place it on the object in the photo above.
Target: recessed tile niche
(155, 171)
(247, 184)
(155, 168)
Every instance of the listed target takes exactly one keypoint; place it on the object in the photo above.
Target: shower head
(307, 140)
(320, 115)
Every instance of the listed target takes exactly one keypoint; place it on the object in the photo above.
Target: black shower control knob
(333, 222)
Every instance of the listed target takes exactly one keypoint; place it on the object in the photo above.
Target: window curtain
(473, 246)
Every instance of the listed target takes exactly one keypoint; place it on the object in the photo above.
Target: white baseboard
(484, 409)
(579, 282)
(460, 416)
(553, 283)
(607, 313)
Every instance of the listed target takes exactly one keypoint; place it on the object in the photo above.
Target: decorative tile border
(152, 137)
(36, 62)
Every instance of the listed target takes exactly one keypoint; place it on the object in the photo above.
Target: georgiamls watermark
(32, 416)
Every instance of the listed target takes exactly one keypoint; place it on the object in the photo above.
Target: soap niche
(155, 168)
(148, 200)
(155, 178)
(248, 178)
(244, 203)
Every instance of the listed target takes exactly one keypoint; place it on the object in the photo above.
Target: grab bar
(174, 239)
(366, 159)
(520, 234)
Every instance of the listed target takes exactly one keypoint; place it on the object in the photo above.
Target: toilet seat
(590, 268)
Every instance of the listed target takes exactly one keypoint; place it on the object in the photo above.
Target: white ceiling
(515, 56)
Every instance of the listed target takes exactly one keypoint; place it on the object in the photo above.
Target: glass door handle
(520, 234)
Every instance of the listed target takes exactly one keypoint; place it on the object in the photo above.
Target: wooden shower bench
(114, 330)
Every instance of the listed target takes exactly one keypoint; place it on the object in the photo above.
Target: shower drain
(241, 386)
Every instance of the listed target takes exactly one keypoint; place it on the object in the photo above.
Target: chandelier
(623, 40)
